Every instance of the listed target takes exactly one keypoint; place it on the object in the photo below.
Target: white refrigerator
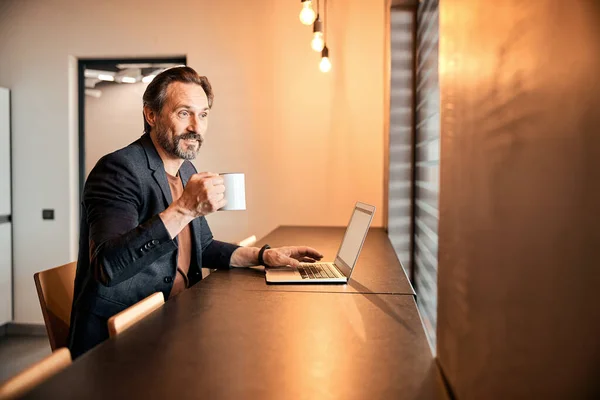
(6, 296)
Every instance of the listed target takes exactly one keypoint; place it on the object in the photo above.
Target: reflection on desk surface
(257, 344)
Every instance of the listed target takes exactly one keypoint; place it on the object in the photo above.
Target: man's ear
(150, 116)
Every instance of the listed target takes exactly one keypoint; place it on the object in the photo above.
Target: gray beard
(172, 146)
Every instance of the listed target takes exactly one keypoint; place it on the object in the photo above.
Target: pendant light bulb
(307, 14)
(325, 64)
(318, 41)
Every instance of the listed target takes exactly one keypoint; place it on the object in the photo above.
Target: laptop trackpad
(283, 273)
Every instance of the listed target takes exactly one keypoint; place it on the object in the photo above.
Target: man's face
(183, 120)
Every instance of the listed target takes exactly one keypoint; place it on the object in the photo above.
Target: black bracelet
(261, 260)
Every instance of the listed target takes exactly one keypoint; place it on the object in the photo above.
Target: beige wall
(292, 129)
(329, 127)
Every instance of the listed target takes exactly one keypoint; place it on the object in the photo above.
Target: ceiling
(99, 77)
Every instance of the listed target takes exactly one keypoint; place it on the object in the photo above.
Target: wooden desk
(377, 271)
(207, 344)
(233, 337)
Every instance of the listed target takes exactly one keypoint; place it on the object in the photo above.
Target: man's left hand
(290, 256)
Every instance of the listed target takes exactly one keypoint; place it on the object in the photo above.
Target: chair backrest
(120, 322)
(34, 375)
(55, 291)
(249, 241)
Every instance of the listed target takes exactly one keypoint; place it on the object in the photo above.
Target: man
(142, 220)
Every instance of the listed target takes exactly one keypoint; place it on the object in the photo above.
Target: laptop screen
(355, 235)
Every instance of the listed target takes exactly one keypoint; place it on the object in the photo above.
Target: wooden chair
(55, 292)
(26, 380)
(120, 322)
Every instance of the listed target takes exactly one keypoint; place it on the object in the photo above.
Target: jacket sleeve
(215, 254)
(120, 247)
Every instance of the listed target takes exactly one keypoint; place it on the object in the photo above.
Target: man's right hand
(203, 194)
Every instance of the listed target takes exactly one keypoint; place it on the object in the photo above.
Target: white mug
(235, 191)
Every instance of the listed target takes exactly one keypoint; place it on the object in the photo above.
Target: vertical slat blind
(427, 164)
(400, 143)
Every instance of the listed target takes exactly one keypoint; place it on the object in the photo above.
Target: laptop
(338, 271)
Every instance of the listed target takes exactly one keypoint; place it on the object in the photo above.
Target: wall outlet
(47, 214)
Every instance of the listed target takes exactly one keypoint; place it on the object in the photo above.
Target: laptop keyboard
(316, 271)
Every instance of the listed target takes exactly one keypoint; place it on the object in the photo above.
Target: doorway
(110, 104)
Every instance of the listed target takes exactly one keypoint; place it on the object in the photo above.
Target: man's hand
(203, 194)
(290, 256)
(278, 257)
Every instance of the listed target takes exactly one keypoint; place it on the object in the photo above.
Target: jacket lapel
(158, 172)
(161, 178)
(156, 165)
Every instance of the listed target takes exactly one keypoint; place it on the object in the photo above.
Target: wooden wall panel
(519, 233)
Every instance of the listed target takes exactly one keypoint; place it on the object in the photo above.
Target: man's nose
(193, 125)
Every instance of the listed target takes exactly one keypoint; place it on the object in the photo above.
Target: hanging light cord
(324, 21)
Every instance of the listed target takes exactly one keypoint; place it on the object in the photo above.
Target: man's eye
(204, 115)
(183, 113)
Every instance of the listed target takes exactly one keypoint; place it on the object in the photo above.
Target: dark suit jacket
(125, 251)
